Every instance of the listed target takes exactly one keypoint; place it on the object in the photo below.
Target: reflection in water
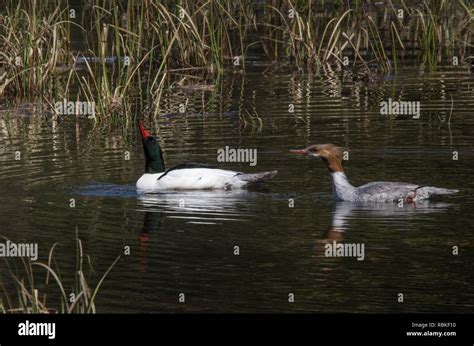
(151, 223)
(344, 211)
(200, 207)
(193, 207)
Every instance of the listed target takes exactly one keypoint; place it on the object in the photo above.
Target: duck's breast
(147, 182)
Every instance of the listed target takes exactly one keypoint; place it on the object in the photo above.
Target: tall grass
(131, 48)
(33, 295)
(34, 41)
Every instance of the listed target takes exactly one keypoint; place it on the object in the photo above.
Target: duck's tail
(441, 191)
(428, 191)
(257, 177)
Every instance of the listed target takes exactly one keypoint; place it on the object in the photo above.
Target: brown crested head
(331, 154)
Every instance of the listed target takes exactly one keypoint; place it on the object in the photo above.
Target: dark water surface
(184, 241)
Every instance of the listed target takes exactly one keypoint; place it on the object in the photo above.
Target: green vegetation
(52, 294)
(130, 51)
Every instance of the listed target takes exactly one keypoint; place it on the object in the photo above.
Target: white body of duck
(188, 176)
(198, 178)
(379, 191)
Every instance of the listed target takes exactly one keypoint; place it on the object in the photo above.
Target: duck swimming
(379, 191)
(188, 176)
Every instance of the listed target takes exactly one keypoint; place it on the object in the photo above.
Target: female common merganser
(188, 176)
(379, 191)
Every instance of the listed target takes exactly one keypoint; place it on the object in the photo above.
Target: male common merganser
(188, 176)
(379, 191)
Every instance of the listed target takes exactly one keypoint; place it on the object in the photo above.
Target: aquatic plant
(34, 295)
(34, 40)
(130, 49)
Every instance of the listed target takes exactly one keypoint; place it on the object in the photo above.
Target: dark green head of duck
(154, 162)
